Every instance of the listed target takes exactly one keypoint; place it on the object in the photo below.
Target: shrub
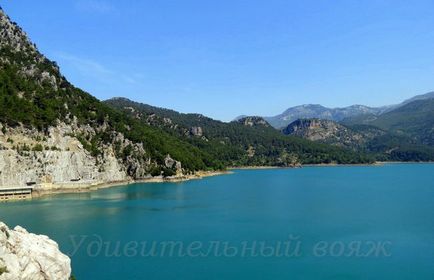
(167, 172)
(38, 148)
(3, 270)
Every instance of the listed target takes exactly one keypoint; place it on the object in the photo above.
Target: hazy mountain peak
(316, 111)
(428, 95)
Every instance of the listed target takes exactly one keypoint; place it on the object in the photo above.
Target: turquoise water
(325, 211)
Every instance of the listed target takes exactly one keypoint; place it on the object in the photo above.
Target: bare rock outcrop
(254, 121)
(27, 256)
(53, 160)
(196, 131)
(331, 132)
(169, 162)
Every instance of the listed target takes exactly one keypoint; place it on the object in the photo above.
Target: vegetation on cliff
(237, 143)
(34, 94)
(382, 142)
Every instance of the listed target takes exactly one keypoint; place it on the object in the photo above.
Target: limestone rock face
(171, 163)
(12, 35)
(72, 142)
(27, 256)
(196, 131)
(330, 132)
(253, 121)
(55, 159)
(315, 129)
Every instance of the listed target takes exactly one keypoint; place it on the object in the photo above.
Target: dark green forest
(229, 141)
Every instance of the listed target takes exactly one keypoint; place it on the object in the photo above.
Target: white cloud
(91, 68)
(84, 65)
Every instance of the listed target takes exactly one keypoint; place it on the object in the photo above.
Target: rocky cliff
(330, 132)
(27, 256)
(253, 121)
(54, 159)
(55, 135)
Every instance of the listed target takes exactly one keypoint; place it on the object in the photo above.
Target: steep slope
(320, 112)
(248, 141)
(370, 117)
(426, 96)
(53, 134)
(325, 131)
(415, 119)
(381, 144)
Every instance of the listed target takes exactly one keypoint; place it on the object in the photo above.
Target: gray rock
(171, 163)
(27, 256)
(253, 121)
(196, 131)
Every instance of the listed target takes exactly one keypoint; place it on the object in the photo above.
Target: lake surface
(371, 222)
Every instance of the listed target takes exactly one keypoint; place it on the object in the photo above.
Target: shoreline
(304, 165)
(377, 163)
(341, 165)
(89, 188)
(85, 188)
(258, 167)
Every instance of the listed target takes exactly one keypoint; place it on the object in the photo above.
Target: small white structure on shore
(15, 193)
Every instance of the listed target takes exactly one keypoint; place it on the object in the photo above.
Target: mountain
(327, 131)
(53, 134)
(402, 132)
(314, 111)
(426, 96)
(380, 143)
(248, 141)
(370, 117)
(253, 121)
(240, 117)
(414, 119)
(352, 114)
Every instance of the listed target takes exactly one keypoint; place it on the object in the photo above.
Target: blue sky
(230, 57)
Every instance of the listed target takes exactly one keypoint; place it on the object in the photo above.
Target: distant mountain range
(403, 132)
(320, 112)
(414, 119)
(400, 132)
(429, 95)
(244, 142)
(309, 111)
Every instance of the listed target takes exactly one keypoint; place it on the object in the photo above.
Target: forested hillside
(35, 95)
(383, 144)
(251, 142)
(63, 134)
(415, 119)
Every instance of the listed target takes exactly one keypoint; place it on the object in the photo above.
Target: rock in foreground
(27, 256)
